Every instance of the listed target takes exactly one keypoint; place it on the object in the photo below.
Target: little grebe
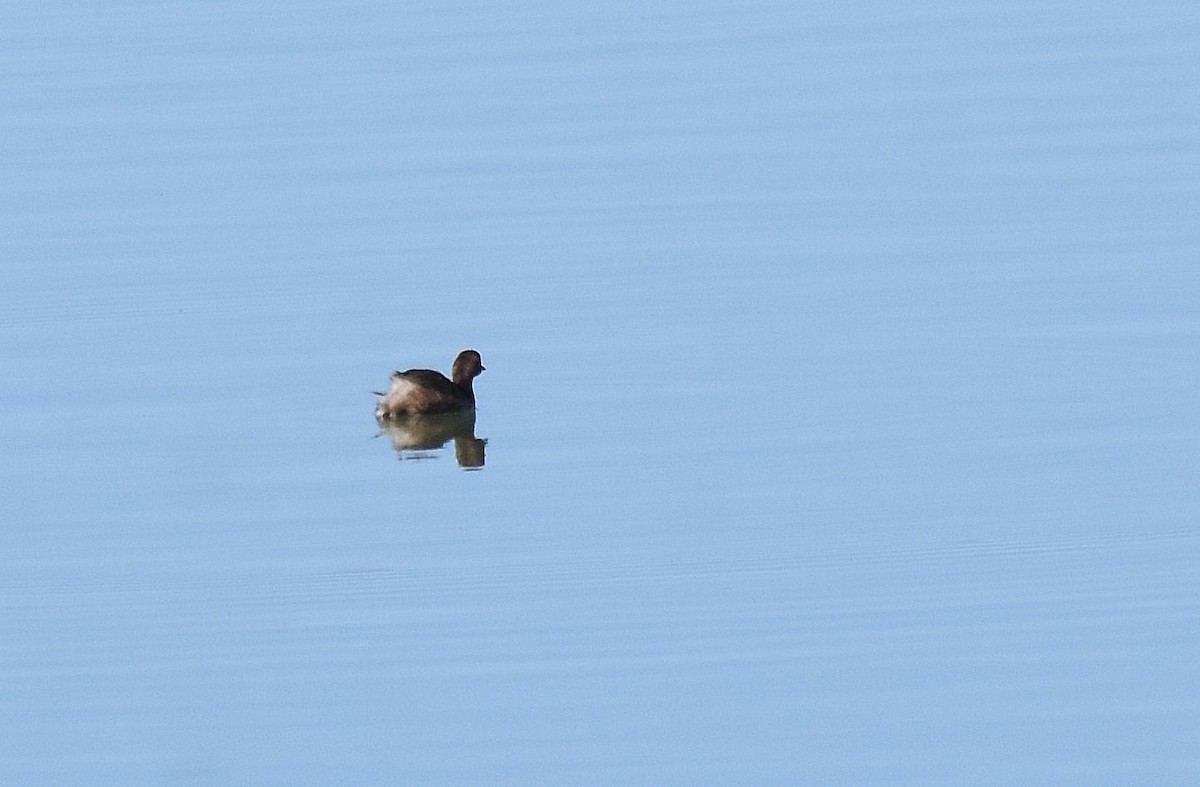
(422, 391)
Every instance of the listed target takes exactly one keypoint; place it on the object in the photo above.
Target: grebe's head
(467, 367)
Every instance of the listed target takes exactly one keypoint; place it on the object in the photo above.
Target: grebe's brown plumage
(424, 391)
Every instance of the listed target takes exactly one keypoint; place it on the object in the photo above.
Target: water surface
(840, 407)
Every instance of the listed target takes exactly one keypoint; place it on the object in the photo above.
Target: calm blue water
(841, 403)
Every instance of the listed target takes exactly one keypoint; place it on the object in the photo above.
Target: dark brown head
(467, 367)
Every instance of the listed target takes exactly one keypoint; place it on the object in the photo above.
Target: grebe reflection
(417, 436)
